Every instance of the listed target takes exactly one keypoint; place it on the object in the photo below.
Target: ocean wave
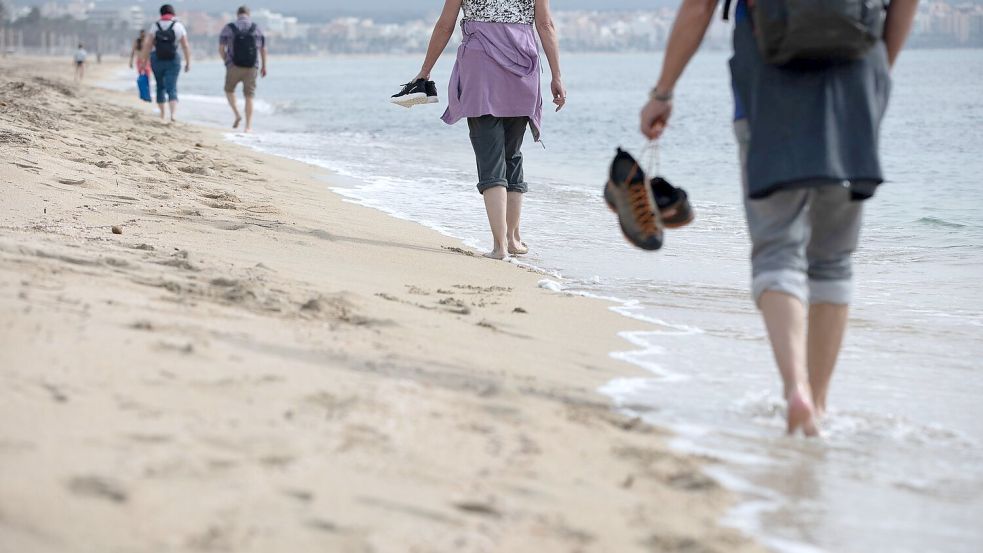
(937, 222)
(260, 106)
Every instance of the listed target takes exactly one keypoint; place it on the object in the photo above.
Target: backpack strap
(727, 10)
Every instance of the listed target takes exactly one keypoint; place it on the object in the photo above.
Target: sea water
(900, 466)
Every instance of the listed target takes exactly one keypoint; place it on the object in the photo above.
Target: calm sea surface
(901, 466)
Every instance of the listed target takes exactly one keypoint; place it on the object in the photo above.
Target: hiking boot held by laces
(627, 194)
(673, 203)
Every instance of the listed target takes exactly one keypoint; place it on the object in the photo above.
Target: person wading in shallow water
(495, 85)
(808, 135)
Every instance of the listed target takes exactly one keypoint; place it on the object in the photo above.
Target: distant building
(204, 24)
(124, 19)
(278, 25)
(75, 9)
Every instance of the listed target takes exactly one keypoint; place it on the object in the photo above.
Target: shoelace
(652, 158)
(642, 208)
(640, 203)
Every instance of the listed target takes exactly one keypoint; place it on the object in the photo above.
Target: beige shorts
(245, 75)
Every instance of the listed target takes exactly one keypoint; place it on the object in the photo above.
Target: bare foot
(801, 414)
(247, 130)
(819, 405)
(496, 254)
(518, 248)
(237, 121)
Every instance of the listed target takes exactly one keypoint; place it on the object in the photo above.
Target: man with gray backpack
(811, 83)
(243, 47)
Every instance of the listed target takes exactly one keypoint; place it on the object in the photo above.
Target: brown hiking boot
(627, 194)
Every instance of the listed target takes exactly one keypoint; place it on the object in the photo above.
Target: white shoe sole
(416, 99)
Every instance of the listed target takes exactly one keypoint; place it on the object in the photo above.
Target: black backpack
(816, 30)
(244, 51)
(165, 42)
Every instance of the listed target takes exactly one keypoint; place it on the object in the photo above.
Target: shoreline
(250, 329)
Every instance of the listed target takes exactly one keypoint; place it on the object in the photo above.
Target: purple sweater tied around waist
(496, 73)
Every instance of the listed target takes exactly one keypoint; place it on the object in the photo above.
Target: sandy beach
(204, 349)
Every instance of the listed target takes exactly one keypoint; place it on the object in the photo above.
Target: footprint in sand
(456, 306)
(98, 487)
(222, 196)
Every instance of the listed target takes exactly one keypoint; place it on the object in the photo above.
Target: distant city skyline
(940, 23)
(381, 9)
(378, 9)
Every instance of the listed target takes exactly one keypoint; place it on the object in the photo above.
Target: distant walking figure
(80, 57)
(142, 66)
(495, 85)
(243, 47)
(160, 48)
(808, 114)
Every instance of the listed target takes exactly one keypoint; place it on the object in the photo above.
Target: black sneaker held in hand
(416, 93)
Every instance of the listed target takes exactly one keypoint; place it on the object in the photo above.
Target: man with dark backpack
(160, 48)
(811, 82)
(243, 47)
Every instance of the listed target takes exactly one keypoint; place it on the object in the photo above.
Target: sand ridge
(253, 364)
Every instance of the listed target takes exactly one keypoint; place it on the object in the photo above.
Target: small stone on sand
(117, 229)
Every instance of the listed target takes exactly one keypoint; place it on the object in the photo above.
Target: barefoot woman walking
(495, 85)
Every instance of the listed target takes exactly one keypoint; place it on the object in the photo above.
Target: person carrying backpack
(160, 47)
(243, 47)
(811, 82)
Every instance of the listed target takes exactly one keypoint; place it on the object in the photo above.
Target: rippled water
(901, 466)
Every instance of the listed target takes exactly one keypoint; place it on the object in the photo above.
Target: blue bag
(143, 85)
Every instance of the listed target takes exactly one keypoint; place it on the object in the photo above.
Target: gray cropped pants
(802, 239)
(497, 143)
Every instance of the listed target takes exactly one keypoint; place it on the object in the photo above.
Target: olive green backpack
(815, 30)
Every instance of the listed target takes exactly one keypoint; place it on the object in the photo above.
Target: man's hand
(262, 72)
(655, 117)
(187, 66)
(559, 93)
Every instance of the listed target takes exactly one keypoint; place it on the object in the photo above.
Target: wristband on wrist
(660, 96)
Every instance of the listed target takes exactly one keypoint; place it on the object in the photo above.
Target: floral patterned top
(500, 11)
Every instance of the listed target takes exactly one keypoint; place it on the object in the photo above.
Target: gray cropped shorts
(802, 239)
(497, 143)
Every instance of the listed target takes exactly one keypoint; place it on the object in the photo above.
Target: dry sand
(254, 365)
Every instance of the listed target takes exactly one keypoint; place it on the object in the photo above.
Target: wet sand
(203, 349)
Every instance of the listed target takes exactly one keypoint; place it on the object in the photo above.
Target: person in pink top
(136, 60)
